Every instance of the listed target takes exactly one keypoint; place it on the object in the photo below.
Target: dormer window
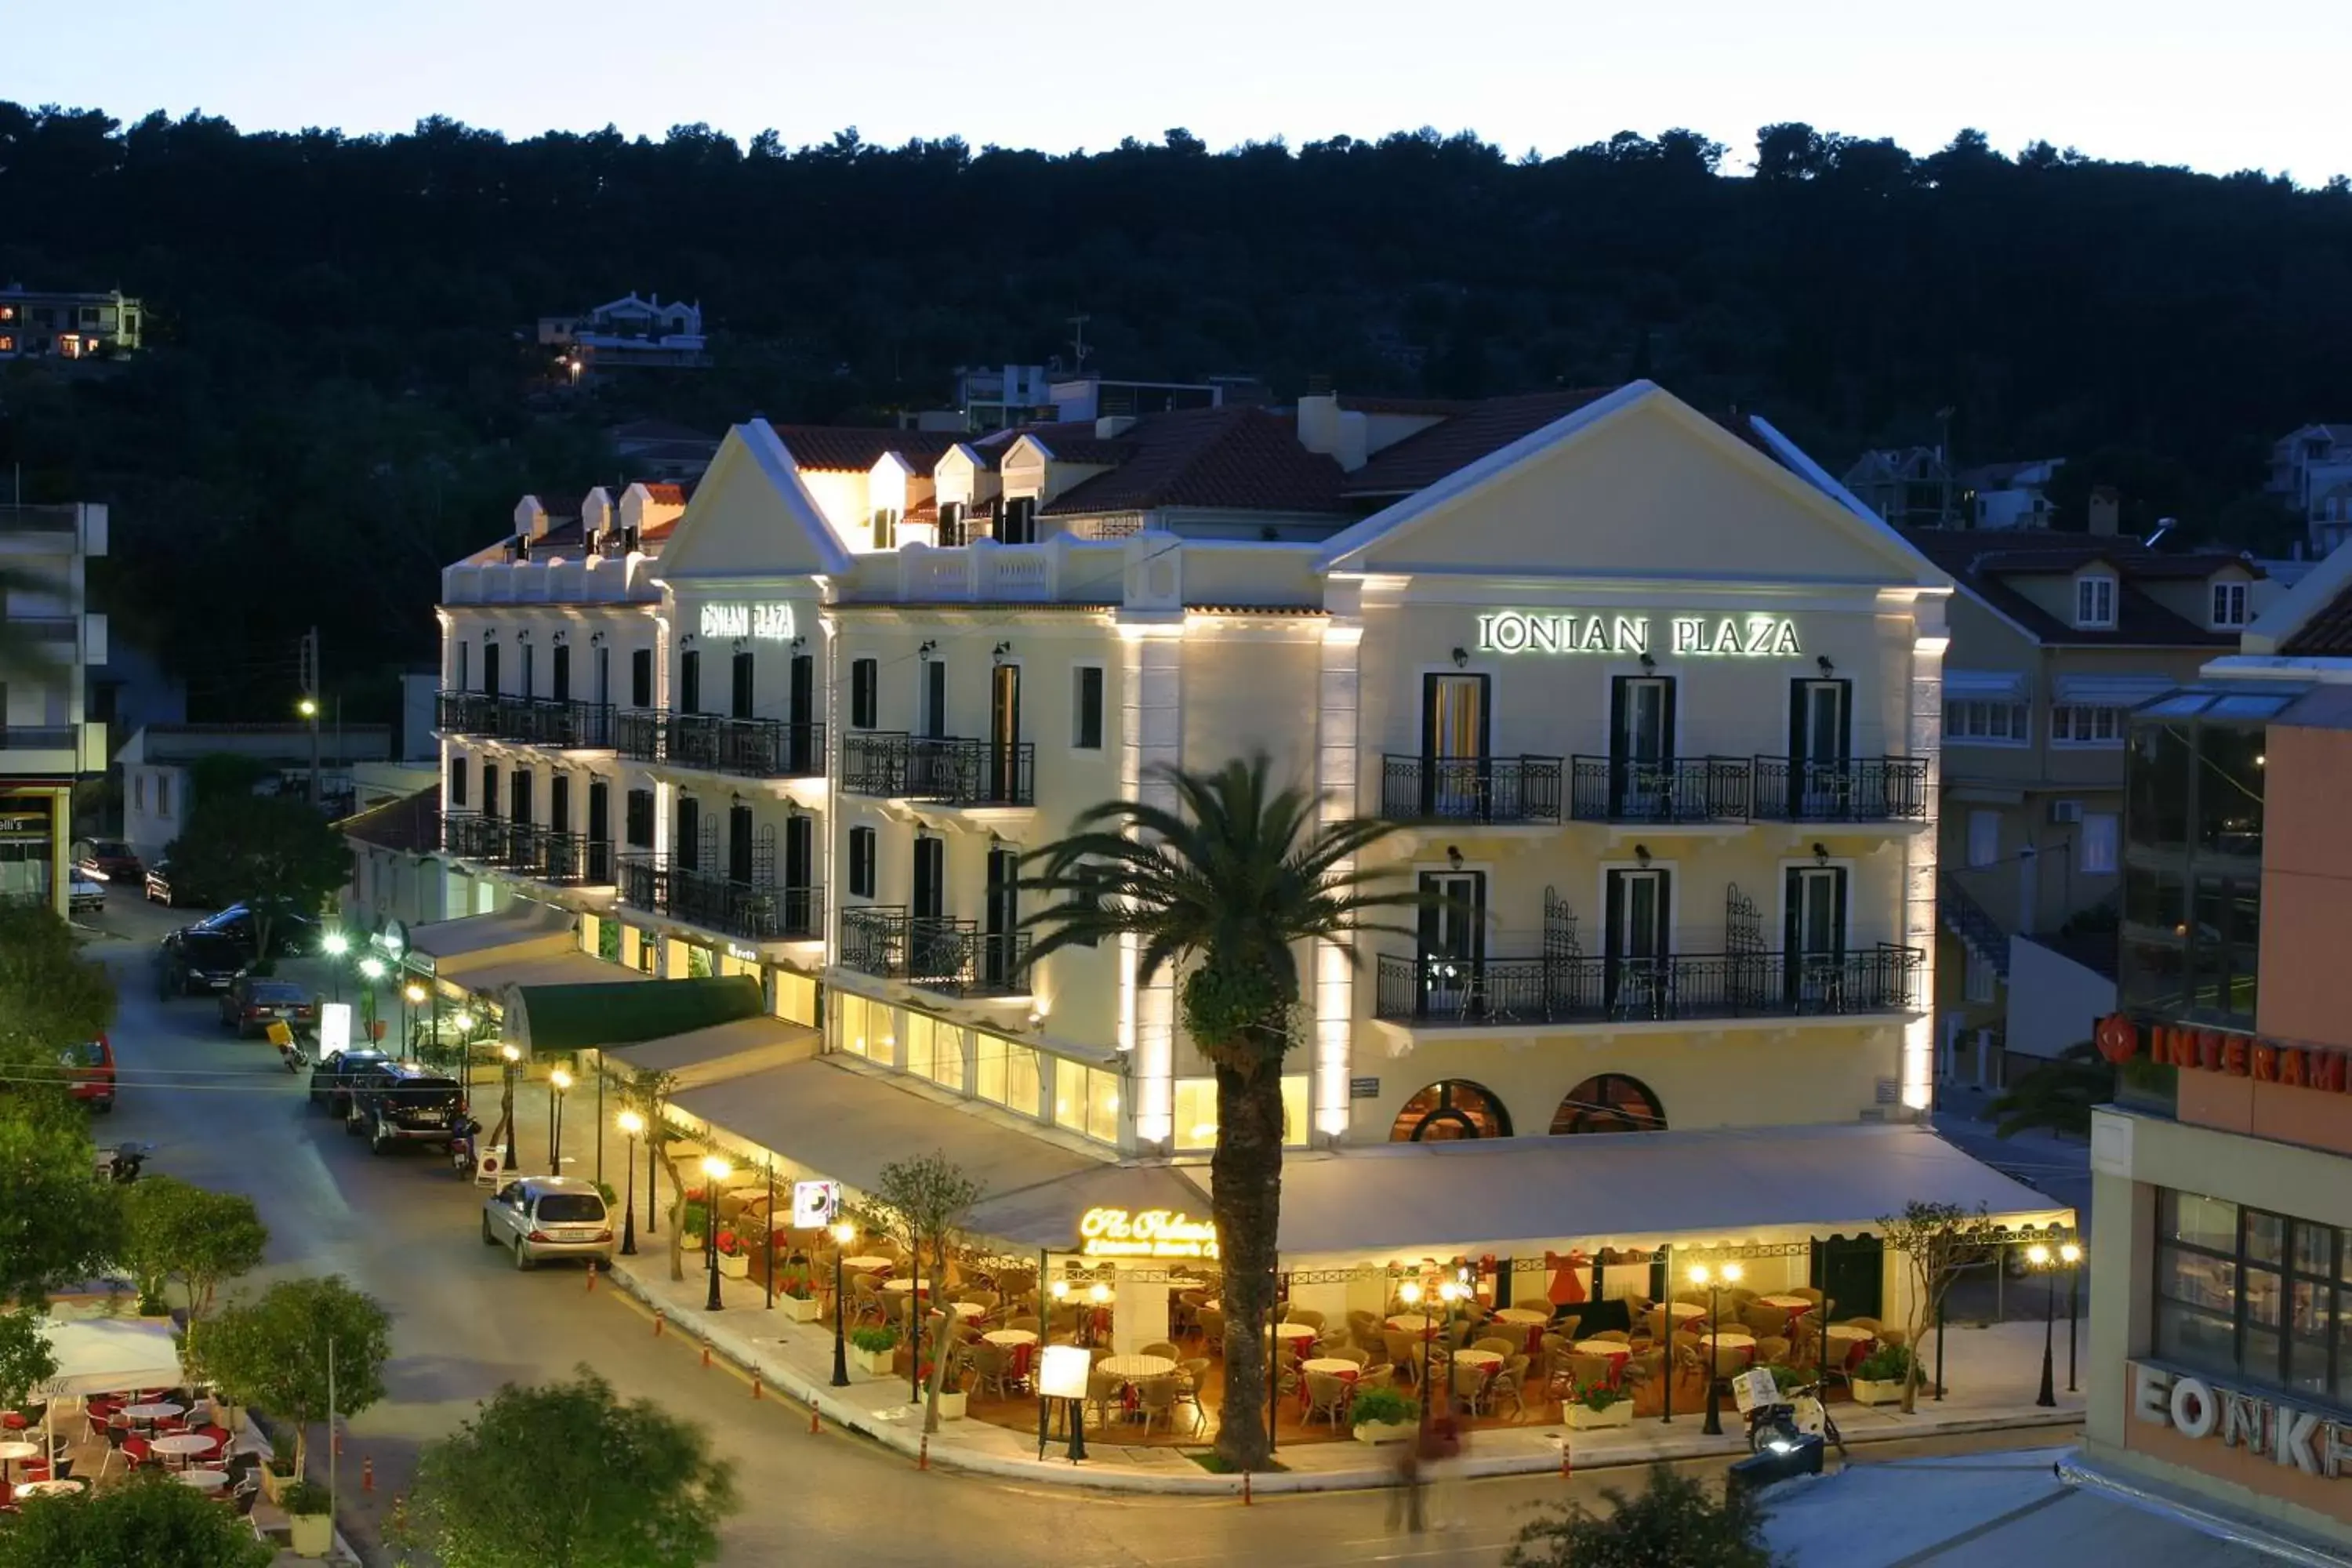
(886, 528)
(2229, 605)
(2094, 603)
(1020, 523)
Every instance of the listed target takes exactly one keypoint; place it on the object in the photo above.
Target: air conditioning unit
(2066, 811)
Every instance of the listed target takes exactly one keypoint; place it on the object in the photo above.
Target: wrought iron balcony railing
(1504, 992)
(754, 748)
(934, 953)
(1858, 789)
(525, 849)
(1669, 789)
(1470, 789)
(895, 765)
(758, 911)
(570, 725)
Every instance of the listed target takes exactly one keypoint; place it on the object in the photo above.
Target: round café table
(1795, 1306)
(182, 1445)
(1854, 1342)
(202, 1481)
(906, 1287)
(1683, 1311)
(1730, 1340)
(147, 1414)
(1616, 1351)
(1527, 1319)
(968, 1310)
(1136, 1367)
(865, 1265)
(1329, 1366)
(1478, 1358)
(1297, 1336)
(47, 1488)
(1009, 1338)
(1420, 1323)
(10, 1452)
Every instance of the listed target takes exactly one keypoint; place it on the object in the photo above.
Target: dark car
(290, 934)
(405, 1102)
(108, 860)
(195, 962)
(162, 888)
(332, 1078)
(252, 1004)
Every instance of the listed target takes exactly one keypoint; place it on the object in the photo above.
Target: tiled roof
(1241, 459)
(568, 531)
(667, 495)
(2327, 631)
(412, 822)
(1983, 561)
(851, 450)
(642, 430)
(557, 505)
(1461, 438)
(1357, 403)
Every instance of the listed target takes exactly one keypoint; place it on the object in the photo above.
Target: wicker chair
(991, 1368)
(1619, 1335)
(1327, 1397)
(1500, 1347)
(1162, 1347)
(1470, 1385)
(1771, 1348)
(1157, 1398)
(1306, 1315)
(1510, 1379)
(1213, 1330)
(1191, 1377)
(1399, 1348)
(1103, 1390)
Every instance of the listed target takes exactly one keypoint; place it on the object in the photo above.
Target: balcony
(1505, 993)
(524, 849)
(1499, 790)
(1859, 789)
(1670, 790)
(896, 766)
(62, 517)
(756, 910)
(36, 738)
(564, 724)
(753, 748)
(933, 952)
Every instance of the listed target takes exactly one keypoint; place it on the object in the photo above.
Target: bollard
(923, 1455)
(1245, 1488)
(1567, 1464)
(755, 1382)
(592, 1276)
(367, 1474)
(813, 1428)
(657, 1322)
(706, 1353)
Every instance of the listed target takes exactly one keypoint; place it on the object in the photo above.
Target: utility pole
(309, 709)
(1943, 462)
(1078, 342)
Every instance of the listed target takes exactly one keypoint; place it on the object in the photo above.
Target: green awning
(550, 1018)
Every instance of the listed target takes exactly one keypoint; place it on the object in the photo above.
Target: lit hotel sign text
(762, 622)
(1700, 636)
(1154, 1232)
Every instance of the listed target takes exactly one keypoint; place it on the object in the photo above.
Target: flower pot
(951, 1405)
(876, 1363)
(735, 1266)
(800, 1310)
(1386, 1431)
(1584, 1418)
(1869, 1392)
(690, 1241)
(310, 1534)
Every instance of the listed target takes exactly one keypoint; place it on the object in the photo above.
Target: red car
(92, 1074)
(251, 1004)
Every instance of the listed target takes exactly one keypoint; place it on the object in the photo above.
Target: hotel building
(46, 741)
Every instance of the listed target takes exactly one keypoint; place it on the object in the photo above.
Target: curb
(908, 1440)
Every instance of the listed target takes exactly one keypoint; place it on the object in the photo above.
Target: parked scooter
(1799, 1414)
(461, 1147)
(120, 1165)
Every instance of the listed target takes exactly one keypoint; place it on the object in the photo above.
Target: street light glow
(2038, 1256)
(1410, 1292)
(511, 1051)
(1731, 1272)
(844, 1233)
(415, 994)
(372, 967)
(337, 944)
(631, 1122)
(307, 708)
(1060, 1289)
(1452, 1292)
(717, 1168)
(1100, 1294)
(1698, 1273)
(464, 1022)
(561, 1079)
(2070, 1253)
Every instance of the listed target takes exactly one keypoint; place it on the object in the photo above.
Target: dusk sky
(2218, 88)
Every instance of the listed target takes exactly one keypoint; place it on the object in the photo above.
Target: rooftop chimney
(1111, 427)
(2105, 510)
(1342, 435)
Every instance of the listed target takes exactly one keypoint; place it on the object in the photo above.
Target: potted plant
(1880, 1378)
(1601, 1405)
(952, 1396)
(799, 1295)
(734, 1261)
(278, 1475)
(692, 1218)
(875, 1349)
(1384, 1415)
(310, 1521)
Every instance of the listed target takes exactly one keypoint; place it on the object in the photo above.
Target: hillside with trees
(342, 390)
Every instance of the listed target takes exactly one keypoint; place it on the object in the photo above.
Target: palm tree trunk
(1245, 1198)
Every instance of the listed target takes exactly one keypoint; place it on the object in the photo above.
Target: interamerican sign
(1572, 631)
(2290, 1436)
(1154, 1232)
(2119, 1039)
(762, 623)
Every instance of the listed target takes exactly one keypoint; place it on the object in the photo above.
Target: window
(1976, 722)
(864, 693)
(139, 793)
(458, 781)
(1019, 525)
(163, 795)
(689, 681)
(1005, 1073)
(935, 1050)
(2100, 833)
(930, 893)
(1196, 1112)
(2245, 1294)
(2095, 601)
(869, 1029)
(2079, 724)
(886, 528)
(1450, 1109)
(1609, 1102)
(2228, 604)
(637, 819)
(1087, 726)
(460, 667)
(1085, 1100)
(861, 862)
(1978, 979)
(1984, 838)
(641, 677)
(950, 522)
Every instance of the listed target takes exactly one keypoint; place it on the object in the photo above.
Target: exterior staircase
(1969, 922)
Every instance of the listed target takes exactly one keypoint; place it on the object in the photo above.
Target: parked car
(548, 1217)
(331, 1080)
(108, 860)
(84, 896)
(396, 1102)
(290, 934)
(162, 889)
(251, 1004)
(91, 1072)
(195, 962)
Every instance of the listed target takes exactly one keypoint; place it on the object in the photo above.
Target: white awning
(1046, 1215)
(506, 968)
(110, 1355)
(1630, 1189)
(522, 920)
(2114, 690)
(1984, 685)
(723, 1051)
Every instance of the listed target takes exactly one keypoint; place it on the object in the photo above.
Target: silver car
(548, 1217)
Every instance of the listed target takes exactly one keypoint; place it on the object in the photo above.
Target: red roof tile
(851, 450)
(666, 495)
(2327, 631)
(1461, 438)
(1241, 459)
(1984, 559)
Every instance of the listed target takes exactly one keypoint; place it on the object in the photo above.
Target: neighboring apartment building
(2220, 1347)
(2056, 639)
(1910, 486)
(2311, 474)
(1654, 706)
(159, 764)
(627, 333)
(47, 741)
(69, 324)
(2007, 495)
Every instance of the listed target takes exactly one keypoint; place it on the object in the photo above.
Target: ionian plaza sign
(1577, 631)
(762, 622)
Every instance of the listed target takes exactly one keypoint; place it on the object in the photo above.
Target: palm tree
(1224, 889)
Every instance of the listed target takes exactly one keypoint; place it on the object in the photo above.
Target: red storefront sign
(2119, 1039)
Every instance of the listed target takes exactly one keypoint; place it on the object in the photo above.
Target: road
(226, 1114)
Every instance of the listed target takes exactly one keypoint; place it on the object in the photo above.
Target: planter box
(799, 1311)
(736, 1268)
(1386, 1431)
(272, 1483)
(878, 1363)
(951, 1405)
(690, 1242)
(310, 1534)
(1867, 1392)
(1584, 1418)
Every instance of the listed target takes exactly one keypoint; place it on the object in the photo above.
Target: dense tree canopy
(344, 384)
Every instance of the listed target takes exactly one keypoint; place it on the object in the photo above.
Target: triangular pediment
(752, 516)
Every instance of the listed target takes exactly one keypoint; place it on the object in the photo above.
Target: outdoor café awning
(110, 1355)
(1631, 1189)
(553, 1018)
(565, 966)
(722, 1051)
(1046, 1215)
(449, 943)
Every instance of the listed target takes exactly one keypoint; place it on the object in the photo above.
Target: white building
(2008, 494)
(160, 762)
(46, 739)
(628, 333)
(1642, 692)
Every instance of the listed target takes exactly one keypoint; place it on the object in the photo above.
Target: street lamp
(1715, 1279)
(513, 1054)
(412, 995)
(370, 971)
(844, 1232)
(558, 1080)
(2071, 1256)
(335, 945)
(714, 1171)
(2041, 1259)
(1451, 1292)
(631, 1125)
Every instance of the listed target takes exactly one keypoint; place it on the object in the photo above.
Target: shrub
(1674, 1523)
(730, 1244)
(305, 1497)
(1384, 1406)
(1601, 1396)
(1786, 1377)
(692, 1219)
(1888, 1363)
(875, 1341)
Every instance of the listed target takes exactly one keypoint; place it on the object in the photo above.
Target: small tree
(567, 1475)
(2057, 1094)
(1674, 1523)
(1938, 1242)
(55, 1224)
(647, 1093)
(25, 1359)
(276, 852)
(928, 1199)
(148, 1519)
(176, 1230)
(50, 997)
(272, 1352)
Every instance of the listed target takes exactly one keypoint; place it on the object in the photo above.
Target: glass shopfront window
(2243, 1293)
(1085, 1100)
(1005, 1073)
(2192, 861)
(1196, 1112)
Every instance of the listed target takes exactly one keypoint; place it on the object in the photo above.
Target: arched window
(1455, 1108)
(1609, 1103)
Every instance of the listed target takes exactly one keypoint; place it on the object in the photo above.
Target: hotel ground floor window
(935, 1050)
(867, 1030)
(1610, 1102)
(1196, 1112)
(608, 940)
(1085, 1100)
(1452, 1108)
(1005, 1073)
(2244, 1293)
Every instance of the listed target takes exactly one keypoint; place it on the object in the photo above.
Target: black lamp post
(513, 1054)
(1715, 1279)
(631, 1125)
(2043, 1260)
(714, 1171)
(844, 1232)
(2070, 1253)
(557, 1082)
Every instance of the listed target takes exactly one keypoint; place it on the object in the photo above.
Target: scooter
(120, 1163)
(461, 1147)
(1799, 1413)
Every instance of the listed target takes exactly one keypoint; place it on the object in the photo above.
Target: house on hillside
(1910, 486)
(627, 333)
(2007, 495)
(2310, 473)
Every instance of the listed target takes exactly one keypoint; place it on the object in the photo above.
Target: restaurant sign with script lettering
(1154, 1232)
(2119, 1038)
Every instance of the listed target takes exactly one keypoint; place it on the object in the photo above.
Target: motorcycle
(1799, 1413)
(120, 1165)
(461, 1147)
